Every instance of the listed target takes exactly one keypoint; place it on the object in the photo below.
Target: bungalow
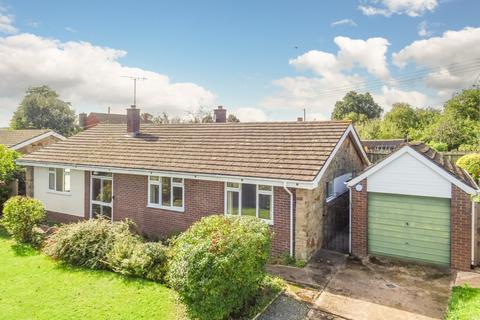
(28, 140)
(415, 205)
(165, 177)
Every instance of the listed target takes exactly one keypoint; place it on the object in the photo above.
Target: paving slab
(351, 308)
(366, 289)
(472, 279)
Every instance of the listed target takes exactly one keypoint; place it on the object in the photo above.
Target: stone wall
(38, 145)
(311, 205)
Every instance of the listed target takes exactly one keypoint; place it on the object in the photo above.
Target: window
(249, 200)
(59, 179)
(165, 192)
(337, 186)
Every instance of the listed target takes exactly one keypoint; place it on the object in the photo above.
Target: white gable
(407, 175)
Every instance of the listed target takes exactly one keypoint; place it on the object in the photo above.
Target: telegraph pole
(134, 86)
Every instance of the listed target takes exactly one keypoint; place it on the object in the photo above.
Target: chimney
(82, 120)
(133, 121)
(220, 115)
(299, 119)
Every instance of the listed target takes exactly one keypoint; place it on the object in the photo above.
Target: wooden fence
(452, 156)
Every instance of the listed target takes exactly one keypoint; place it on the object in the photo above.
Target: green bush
(438, 146)
(471, 164)
(87, 243)
(218, 264)
(9, 171)
(131, 257)
(21, 215)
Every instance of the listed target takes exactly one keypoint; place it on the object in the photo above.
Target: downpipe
(291, 217)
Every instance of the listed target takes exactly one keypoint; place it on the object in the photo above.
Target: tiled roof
(386, 145)
(275, 150)
(10, 137)
(111, 118)
(442, 162)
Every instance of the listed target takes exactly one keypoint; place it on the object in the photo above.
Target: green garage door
(410, 227)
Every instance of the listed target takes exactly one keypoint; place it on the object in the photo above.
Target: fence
(452, 156)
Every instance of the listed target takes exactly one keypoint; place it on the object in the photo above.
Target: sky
(262, 60)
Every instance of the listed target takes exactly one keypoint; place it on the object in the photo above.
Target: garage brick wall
(360, 219)
(461, 209)
(461, 230)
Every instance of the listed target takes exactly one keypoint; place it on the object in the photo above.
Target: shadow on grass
(24, 250)
(3, 233)
(138, 283)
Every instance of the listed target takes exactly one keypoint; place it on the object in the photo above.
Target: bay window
(249, 200)
(59, 179)
(165, 193)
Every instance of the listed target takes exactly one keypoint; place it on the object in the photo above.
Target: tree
(9, 171)
(146, 117)
(465, 105)
(403, 116)
(358, 103)
(42, 109)
(232, 118)
(375, 129)
(357, 118)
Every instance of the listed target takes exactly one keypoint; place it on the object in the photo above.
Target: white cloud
(250, 114)
(6, 22)
(422, 30)
(412, 8)
(70, 29)
(89, 76)
(391, 95)
(348, 22)
(451, 60)
(368, 54)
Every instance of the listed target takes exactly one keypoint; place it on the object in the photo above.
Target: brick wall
(360, 220)
(202, 198)
(461, 224)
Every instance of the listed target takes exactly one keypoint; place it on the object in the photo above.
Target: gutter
(473, 235)
(291, 216)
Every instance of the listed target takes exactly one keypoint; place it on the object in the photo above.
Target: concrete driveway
(375, 289)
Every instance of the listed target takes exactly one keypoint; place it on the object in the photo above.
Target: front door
(101, 195)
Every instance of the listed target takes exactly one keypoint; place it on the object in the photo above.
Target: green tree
(375, 129)
(42, 109)
(357, 118)
(403, 116)
(465, 105)
(232, 118)
(9, 171)
(358, 103)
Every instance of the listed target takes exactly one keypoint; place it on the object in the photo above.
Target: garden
(97, 269)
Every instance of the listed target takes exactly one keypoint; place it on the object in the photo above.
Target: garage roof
(437, 162)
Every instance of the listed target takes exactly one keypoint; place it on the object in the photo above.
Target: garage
(409, 227)
(416, 206)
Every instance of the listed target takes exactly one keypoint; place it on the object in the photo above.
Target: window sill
(62, 193)
(269, 222)
(175, 209)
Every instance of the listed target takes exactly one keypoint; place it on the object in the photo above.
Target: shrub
(9, 171)
(218, 264)
(438, 146)
(134, 258)
(471, 164)
(87, 243)
(21, 215)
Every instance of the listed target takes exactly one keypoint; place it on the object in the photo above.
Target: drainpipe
(291, 216)
(473, 235)
(350, 220)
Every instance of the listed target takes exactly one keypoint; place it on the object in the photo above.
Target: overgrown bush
(218, 264)
(9, 171)
(438, 146)
(131, 257)
(87, 243)
(471, 164)
(21, 215)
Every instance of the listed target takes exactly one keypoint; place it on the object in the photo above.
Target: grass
(464, 304)
(35, 287)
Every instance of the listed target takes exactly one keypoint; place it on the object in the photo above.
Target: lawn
(464, 304)
(35, 287)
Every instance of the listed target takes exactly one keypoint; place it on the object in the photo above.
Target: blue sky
(265, 60)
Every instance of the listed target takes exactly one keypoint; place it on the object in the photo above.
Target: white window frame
(54, 172)
(257, 195)
(173, 184)
(101, 203)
